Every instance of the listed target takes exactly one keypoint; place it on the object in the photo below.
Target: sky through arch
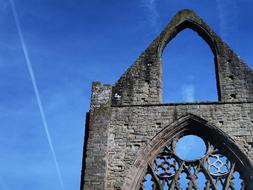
(72, 43)
(188, 69)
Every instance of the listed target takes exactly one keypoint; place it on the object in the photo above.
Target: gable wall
(124, 117)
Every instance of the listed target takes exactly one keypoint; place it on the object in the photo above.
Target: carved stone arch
(197, 27)
(191, 21)
(142, 82)
(189, 124)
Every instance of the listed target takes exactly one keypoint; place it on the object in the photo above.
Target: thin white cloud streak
(221, 16)
(227, 13)
(3, 184)
(153, 13)
(36, 91)
(188, 93)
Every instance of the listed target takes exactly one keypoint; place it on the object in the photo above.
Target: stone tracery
(167, 170)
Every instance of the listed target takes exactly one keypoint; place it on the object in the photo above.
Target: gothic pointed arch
(142, 82)
(130, 129)
(191, 22)
(161, 151)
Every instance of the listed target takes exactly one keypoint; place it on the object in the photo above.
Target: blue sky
(74, 42)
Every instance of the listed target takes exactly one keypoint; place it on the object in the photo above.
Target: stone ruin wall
(125, 117)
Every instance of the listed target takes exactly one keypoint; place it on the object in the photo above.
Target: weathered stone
(125, 118)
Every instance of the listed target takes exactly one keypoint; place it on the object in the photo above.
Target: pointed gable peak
(142, 82)
(186, 13)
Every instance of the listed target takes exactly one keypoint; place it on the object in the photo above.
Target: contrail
(36, 91)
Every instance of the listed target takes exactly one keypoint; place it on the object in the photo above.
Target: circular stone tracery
(202, 165)
(165, 166)
(217, 164)
(190, 147)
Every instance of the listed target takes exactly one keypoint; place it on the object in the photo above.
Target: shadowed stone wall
(124, 118)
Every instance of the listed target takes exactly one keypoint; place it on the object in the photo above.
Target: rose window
(191, 163)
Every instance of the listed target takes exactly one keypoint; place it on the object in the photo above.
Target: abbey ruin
(131, 134)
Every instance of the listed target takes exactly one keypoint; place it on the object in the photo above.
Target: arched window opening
(192, 163)
(188, 70)
(191, 154)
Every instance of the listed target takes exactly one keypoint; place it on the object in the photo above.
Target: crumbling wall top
(142, 82)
